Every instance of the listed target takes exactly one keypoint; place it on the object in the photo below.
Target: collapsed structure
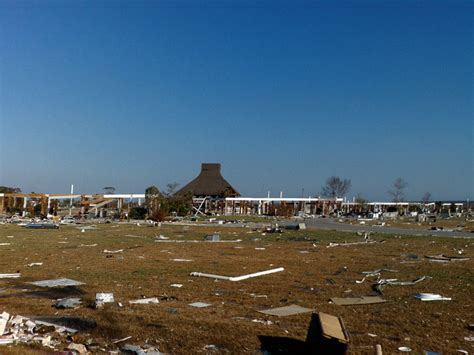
(209, 189)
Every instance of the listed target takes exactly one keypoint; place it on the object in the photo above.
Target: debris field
(127, 290)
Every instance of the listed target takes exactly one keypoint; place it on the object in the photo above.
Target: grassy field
(313, 274)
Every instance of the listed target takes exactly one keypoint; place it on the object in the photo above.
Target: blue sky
(282, 93)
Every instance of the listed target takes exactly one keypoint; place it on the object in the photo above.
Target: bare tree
(171, 189)
(397, 191)
(335, 187)
(426, 197)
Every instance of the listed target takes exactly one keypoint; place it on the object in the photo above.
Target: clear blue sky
(282, 93)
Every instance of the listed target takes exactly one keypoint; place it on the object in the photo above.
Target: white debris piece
(431, 297)
(57, 283)
(199, 304)
(237, 278)
(113, 251)
(35, 264)
(104, 297)
(10, 276)
(152, 300)
(176, 285)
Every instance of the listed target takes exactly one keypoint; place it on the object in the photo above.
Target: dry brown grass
(145, 269)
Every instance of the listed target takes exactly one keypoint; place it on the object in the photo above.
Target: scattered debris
(68, 303)
(120, 340)
(181, 260)
(62, 282)
(113, 251)
(24, 330)
(80, 348)
(5, 244)
(326, 335)
(10, 276)
(266, 322)
(441, 258)
(382, 282)
(199, 304)
(212, 238)
(357, 300)
(431, 297)
(286, 310)
(237, 278)
(162, 237)
(35, 264)
(152, 300)
(176, 285)
(404, 349)
(369, 241)
(378, 349)
(101, 298)
(85, 228)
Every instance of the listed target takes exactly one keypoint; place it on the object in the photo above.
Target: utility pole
(70, 201)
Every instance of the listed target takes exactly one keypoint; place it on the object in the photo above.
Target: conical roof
(209, 182)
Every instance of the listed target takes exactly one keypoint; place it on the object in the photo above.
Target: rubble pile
(19, 329)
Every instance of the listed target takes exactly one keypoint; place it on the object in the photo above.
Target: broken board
(357, 300)
(286, 311)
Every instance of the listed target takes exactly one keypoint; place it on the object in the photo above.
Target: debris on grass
(431, 297)
(286, 310)
(181, 260)
(79, 348)
(121, 340)
(10, 276)
(441, 258)
(102, 298)
(357, 300)
(326, 335)
(113, 251)
(176, 285)
(237, 278)
(24, 330)
(331, 245)
(382, 282)
(34, 264)
(152, 300)
(199, 304)
(212, 238)
(70, 302)
(262, 321)
(62, 282)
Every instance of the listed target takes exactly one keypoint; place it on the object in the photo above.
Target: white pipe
(237, 278)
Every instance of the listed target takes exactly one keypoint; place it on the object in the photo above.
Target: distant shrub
(137, 213)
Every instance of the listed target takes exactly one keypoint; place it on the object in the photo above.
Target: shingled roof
(209, 182)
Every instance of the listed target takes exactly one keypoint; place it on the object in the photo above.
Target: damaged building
(209, 190)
